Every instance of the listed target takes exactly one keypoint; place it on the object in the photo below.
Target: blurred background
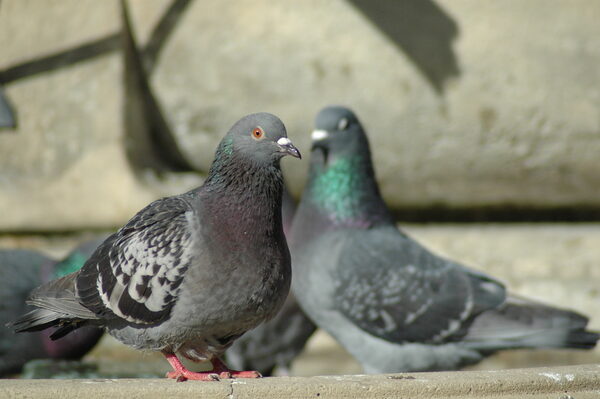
(483, 116)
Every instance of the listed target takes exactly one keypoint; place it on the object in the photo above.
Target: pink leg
(225, 372)
(180, 373)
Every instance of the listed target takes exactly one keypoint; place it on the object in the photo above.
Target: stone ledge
(560, 382)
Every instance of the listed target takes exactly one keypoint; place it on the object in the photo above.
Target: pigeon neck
(252, 190)
(347, 192)
(71, 264)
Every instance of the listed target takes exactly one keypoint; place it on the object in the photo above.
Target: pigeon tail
(582, 339)
(35, 320)
(56, 306)
(522, 323)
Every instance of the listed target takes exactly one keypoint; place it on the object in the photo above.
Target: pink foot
(191, 375)
(225, 372)
(245, 374)
(180, 373)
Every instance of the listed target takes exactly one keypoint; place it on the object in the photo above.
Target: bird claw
(245, 374)
(225, 374)
(239, 374)
(190, 375)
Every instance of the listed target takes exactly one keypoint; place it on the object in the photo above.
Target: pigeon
(21, 271)
(390, 302)
(189, 274)
(275, 344)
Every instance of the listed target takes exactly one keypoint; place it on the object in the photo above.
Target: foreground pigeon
(390, 302)
(276, 343)
(20, 272)
(191, 273)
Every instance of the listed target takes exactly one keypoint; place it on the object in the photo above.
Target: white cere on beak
(319, 135)
(284, 141)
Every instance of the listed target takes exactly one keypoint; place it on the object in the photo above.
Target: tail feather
(521, 323)
(59, 296)
(41, 319)
(56, 305)
(36, 320)
(582, 339)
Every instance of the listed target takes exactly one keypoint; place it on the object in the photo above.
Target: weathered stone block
(467, 103)
(32, 29)
(65, 167)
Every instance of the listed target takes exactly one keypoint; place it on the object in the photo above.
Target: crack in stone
(230, 395)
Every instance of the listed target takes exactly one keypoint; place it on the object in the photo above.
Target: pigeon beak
(318, 135)
(286, 146)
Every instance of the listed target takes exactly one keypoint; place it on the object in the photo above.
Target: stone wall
(468, 104)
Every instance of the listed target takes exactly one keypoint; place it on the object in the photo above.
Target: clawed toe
(180, 377)
(246, 374)
(224, 372)
(225, 375)
(220, 371)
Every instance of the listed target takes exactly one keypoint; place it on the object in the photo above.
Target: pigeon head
(261, 138)
(338, 134)
(251, 150)
(341, 178)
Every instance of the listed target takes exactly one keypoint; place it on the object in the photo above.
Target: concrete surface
(65, 166)
(579, 382)
(468, 103)
(62, 165)
(24, 37)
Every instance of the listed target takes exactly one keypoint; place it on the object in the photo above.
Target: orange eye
(257, 133)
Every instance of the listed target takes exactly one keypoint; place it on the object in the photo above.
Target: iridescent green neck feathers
(71, 264)
(346, 191)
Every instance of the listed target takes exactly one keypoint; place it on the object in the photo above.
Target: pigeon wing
(395, 289)
(136, 273)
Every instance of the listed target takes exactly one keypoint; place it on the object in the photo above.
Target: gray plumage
(394, 305)
(21, 271)
(276, 343)
(190, 273)
(273, 346)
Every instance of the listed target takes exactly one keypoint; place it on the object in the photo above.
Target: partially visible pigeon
(391, 303)
(189, 274)
(20, 272)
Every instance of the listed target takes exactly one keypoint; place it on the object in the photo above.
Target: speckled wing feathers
(402, 293)
(137, 273)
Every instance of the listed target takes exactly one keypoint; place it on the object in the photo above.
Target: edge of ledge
(582, 381)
